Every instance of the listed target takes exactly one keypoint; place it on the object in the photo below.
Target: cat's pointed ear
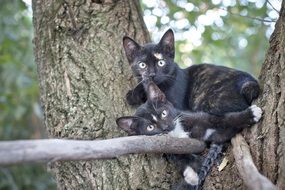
(125, 123)
(154, 93)
(131, 48)
(167, 43)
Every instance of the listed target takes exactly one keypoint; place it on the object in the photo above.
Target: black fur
(195, 123)
(159, 116)
(204, 87)
(200, 88)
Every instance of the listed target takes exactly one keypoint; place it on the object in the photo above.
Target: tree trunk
(267, 138)
(83, 79)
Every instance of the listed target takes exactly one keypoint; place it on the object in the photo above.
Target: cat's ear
(125, 123)
(167, 43)
(131, 48)
(154, 93)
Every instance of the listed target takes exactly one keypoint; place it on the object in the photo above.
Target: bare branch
(23, 151)
(272, 6)
(248, 171)
(245, 16)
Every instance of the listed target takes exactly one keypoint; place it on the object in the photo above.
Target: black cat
(204, 87)
(159, 116)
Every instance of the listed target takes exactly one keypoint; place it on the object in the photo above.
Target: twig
(23, 151)
(248, 171)
(250, 17)
(272, 6)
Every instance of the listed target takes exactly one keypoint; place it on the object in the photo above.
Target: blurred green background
(225, 32)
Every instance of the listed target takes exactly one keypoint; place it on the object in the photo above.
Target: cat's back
(217, 89)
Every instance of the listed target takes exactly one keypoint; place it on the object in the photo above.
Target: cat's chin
(169, 129)
(158, 81)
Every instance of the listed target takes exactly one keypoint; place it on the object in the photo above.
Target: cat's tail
(214, 152)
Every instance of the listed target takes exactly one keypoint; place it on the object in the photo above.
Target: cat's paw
(256, 112)
(190, 176)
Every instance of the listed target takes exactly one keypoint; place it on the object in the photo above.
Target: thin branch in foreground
(46, 150)
(248, 171)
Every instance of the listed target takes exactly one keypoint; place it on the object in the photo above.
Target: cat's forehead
(151, 51)
(145, 110)
(154, 107)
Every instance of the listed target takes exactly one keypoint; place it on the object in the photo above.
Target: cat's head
(152, 61)
(156, 116)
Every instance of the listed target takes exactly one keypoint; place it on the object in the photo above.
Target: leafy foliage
(19, 109)
(224, 32)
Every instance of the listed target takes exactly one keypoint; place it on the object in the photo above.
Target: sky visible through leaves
(224, 32)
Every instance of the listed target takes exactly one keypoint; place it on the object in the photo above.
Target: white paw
(190, 176)
(256, 112)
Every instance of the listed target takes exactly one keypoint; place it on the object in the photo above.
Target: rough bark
(266, 139)
(251, 177)
(83, 79)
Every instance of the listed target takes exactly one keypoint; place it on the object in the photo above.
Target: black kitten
(204, 87)
(159, 116)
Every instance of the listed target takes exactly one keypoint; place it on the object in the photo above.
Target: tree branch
(24, 151)
(246, 16)
(267, 1)
(248, 171)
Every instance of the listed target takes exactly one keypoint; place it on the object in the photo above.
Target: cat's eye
(161, 63)
(150, 128)
(164, 114)
(142, 65)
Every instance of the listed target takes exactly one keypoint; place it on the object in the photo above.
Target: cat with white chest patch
(199, 88)
(159, 116)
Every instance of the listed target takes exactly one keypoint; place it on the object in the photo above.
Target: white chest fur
(178, 131)
(208, 133)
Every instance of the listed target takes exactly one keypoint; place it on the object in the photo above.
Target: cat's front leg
(244, 118)
(136, 96)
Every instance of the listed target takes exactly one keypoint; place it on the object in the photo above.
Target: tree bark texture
(84, 77)
(266, 139)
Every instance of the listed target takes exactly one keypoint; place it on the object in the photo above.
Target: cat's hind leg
(191, 176)
(188, 166)
(250, 90)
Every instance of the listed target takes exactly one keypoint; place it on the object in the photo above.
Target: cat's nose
(151, 75)
(165, 127)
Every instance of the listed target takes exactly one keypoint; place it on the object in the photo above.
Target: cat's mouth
(155, 78)
(168, 129)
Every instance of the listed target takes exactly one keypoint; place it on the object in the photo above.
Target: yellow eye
(161, 63)
(164, 114)
(142, 65)
(150, 128)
